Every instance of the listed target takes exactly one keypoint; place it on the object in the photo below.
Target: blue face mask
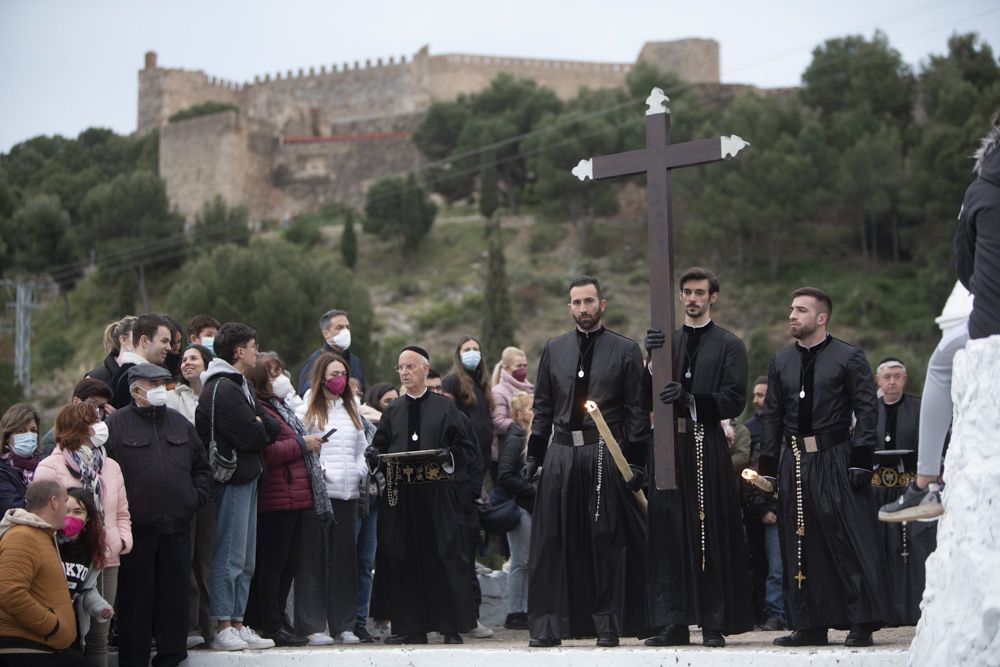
(209, 342)
(24, 444)
(471, 359)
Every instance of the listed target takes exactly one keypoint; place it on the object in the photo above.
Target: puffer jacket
(117, 520)
(286, 485)
(35, 606)
(343, 454)
(503, 391)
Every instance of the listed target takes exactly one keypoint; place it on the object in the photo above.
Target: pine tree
(498, 320)
(349, 242)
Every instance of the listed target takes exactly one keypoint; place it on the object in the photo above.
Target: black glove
(638, 480)
(441, 456)
(859, 478)
(673, 392)
(654, 340)
(530, 469)
(372, 459)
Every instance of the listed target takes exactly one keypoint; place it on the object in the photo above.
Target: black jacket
(236, 425)
(167, 477)
(121, 390)
(977, 241)
(480, 417)
(353, 360)
(106, 371)
(509, 477)
(12, 488)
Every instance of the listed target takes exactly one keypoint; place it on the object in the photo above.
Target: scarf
(85, 464)
(24, 465)
(321, 501)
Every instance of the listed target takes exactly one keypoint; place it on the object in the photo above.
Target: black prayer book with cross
(656, 160)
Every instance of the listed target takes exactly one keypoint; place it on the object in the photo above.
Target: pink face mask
(74, 526)
(335, 385)
(520, 374)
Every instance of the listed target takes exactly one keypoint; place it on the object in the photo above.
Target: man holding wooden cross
(587, 576)
(697, 559)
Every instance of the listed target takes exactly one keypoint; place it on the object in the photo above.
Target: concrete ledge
(578, 656)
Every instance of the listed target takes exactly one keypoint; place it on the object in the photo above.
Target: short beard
(804, 332)
(594, 323)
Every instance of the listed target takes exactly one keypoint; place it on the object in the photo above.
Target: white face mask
(100, 434)
(157, 396)
(281, 386)
(341, 340)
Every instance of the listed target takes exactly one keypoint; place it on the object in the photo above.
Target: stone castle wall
(244, 155)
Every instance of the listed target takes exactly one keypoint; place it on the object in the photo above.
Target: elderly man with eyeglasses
(421, 581)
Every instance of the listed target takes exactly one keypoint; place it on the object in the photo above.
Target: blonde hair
(520, 402)
(506, 358)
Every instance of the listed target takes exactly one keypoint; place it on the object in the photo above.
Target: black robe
(905, 546)
(840, 556)
(681, 592)
(586, 575)
(422, 575)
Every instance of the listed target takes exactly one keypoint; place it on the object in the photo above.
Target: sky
(66, 65)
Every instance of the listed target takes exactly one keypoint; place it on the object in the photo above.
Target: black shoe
(416, 638)
(672, 635)
(452, 638)
(285, 638)
(607, 640)
(516, 621)
(858, 637)
(772, 624)
(361, 632)
(712, 638)
(543, 642)
(803, 638)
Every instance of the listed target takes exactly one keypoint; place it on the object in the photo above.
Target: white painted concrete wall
(960, 621)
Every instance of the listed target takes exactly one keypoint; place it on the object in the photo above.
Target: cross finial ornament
(657, 160)
(799, 578)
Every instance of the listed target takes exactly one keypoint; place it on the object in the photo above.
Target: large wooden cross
(656, 160)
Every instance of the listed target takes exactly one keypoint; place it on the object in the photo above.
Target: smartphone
(326, 436)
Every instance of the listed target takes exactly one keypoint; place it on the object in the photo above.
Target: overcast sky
(66, 65)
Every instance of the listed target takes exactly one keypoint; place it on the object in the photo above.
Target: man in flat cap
(422, 580)
(167, 478)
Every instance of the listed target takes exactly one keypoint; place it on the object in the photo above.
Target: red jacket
(286, 484)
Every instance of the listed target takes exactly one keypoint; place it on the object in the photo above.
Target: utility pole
(22, 331)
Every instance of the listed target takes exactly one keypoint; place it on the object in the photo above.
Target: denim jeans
(367, 539)
(519, 541)
(234, 550)
(774, 603)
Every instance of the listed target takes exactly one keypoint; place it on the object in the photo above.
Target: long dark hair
(466, 388)
(260, 378)
(317, 409)
(93, 530)
(375, 393)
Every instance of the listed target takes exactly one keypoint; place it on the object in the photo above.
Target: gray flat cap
(147, 372)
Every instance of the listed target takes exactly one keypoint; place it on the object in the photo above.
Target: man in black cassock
(833, 566)
(422, 582)
(696, 563)
(905, 546)
(586, 574)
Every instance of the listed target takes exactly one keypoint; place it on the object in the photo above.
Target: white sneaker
(320, 639)
(229, 640)
(347, 637)
(480, 632)
(194, 640)
(254, 640)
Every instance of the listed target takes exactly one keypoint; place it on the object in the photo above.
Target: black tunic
(422, 577)
(681, 592)
(586, 575)
(905, 546)
(840, 556)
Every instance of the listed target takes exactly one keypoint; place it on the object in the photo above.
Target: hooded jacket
(237, 427)
(166, 471)
(977, 240)
(35, 606)
(114, 503)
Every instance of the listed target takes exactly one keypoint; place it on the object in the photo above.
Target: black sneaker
(773, 623)
(543, 642)
(361, 632)
(915, 504)
(672, 635)
(516, 621)
(712, 638)
(858, 637)
(803, 638)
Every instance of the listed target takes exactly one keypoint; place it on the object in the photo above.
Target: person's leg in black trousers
(136, 589)
(342, 568)
(171, 602)
(276, 549)
(291, 568)
(472, 530)
(310, 584)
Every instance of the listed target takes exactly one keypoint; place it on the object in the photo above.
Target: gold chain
(699, 457)
(800, 520)
(600, 475)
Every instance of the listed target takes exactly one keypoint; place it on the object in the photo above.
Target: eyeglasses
(407, 367)
(250, 346)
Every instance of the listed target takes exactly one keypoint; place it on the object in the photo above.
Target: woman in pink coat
(510, 376)
(79, 460)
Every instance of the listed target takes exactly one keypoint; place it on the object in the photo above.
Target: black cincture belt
(821, 441)
(587, 436)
